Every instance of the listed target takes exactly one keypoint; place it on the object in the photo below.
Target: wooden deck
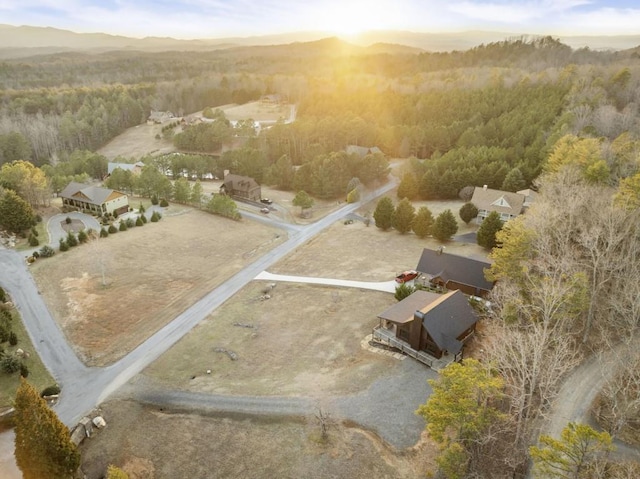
(388, 337)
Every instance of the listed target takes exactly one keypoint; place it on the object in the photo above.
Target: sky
(240, 18)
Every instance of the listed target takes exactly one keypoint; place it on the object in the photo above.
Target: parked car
(265, 210)
(266, 201)
(406, 276)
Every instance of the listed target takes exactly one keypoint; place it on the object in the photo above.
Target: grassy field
(38, 374)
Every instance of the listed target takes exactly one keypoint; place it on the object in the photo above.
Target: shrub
(467, 212)
(71, 239)
(403, 290)
(123, 226)
(82, 237)
(139, 221)
(24, 370)
(103, 233)
(13, 338)
(50, 391)
(141, 208)
(143, 218)
(130, 223)
(164, 203)
(67, 220)
(38, 219)
(154, 199)
(63, 245)
(47, 251)
(36, 255)
(154, 217)
(34, 231)
(10, 364)
(112, 229)
(33, 241)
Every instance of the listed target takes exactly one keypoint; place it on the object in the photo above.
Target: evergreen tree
(514, 181)
(573, 454)
(383, 214)
(468, 211)
(71, 239)
(486, 236)
(445, 226)
(82, 237)
(103, 233)
(43, 446)
(408, 187)
(181, 190)
(422, 222)
(462, 407)
(16, 214)
(403, 216)
(196, 194)
(63, 245)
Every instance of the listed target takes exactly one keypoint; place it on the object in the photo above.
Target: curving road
(84, 388)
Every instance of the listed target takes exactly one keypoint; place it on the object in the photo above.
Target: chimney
(224, 174)
(484, 187)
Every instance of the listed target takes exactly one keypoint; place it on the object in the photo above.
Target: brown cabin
(241, 187)
(431, 322)
(455, 272)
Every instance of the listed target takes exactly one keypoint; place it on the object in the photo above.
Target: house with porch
(507, 204)
(94, 199)
(428, 326)
(242, 187)
(443, 270)
(134, 168)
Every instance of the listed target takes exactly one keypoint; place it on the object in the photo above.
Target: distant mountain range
(26, 41)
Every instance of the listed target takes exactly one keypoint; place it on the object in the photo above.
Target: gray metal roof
(451, 267)
(447, 319)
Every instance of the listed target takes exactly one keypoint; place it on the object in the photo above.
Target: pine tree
(383, 214)
(408, 187)
(403, 216)
(196, 194)
(422, 222)
(578, 449)
(514, 181)
(486, 236)
(445, 226)
(16, 214)
(43, 446)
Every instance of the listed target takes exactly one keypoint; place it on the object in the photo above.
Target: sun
(349, 18)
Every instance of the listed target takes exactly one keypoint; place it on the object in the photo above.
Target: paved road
(84, 388)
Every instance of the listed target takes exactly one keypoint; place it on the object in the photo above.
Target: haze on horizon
(192, 19)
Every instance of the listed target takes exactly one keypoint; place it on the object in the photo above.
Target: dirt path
(578, 391)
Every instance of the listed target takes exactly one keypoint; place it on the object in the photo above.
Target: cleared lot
(152, 274)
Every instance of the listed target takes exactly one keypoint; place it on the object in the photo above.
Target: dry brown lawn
(153, 273)
(358, 252)
(217, 447)
(137, 142)
(257, 111)
(304, 340)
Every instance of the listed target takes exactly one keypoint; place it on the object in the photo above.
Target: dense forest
(472, 117)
